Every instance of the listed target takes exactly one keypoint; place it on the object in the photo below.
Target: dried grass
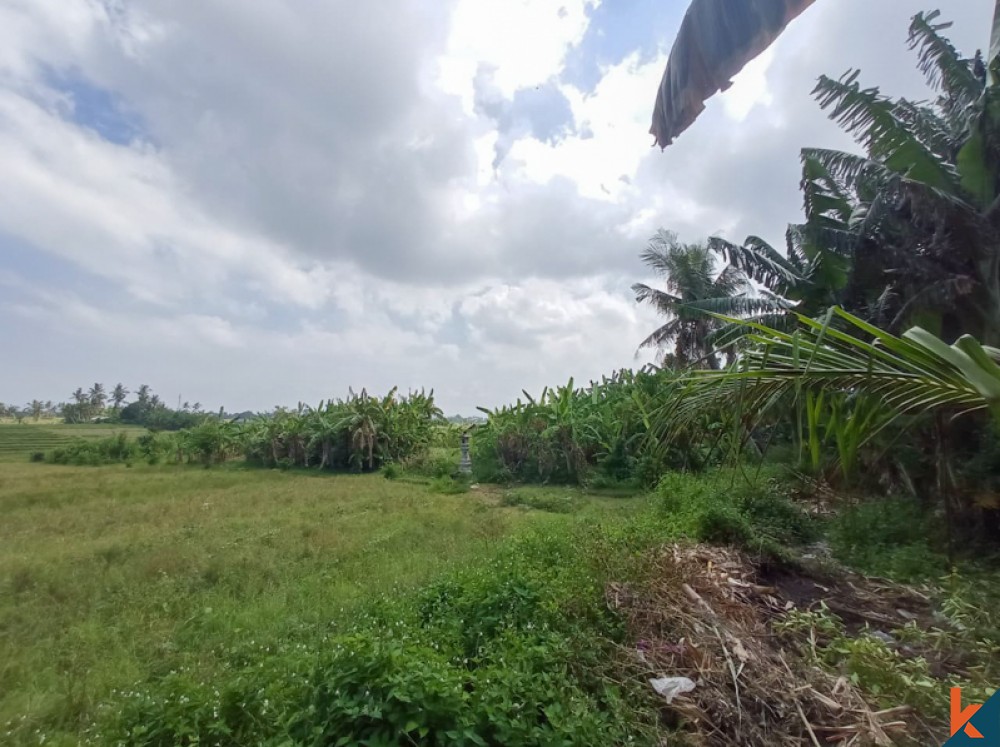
(706, 614)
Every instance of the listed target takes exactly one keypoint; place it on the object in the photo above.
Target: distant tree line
(95, 404)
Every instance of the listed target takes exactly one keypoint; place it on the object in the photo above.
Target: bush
(114, 449)
(391, 471)
(602, 482)
(375, 690)
(723, 507)
(889, 537)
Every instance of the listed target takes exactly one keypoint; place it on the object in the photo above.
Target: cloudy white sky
(255, 202)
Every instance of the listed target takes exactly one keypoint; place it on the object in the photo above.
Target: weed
(889, 537)
(551, 500)
(723, 507)
(449, 485)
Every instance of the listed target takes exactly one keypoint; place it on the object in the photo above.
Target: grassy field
(111, 575)
(19, 440)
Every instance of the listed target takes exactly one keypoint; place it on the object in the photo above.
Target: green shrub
(514, 651)
(113, 449)
(384, 690)
(432, 463)
(602, 482)
(772, 513)
(889, 537)
(391, 471)
(723, 507)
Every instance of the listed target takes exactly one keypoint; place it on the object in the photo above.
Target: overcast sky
(256, 202)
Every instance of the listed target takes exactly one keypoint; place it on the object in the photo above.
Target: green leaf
(977, 179)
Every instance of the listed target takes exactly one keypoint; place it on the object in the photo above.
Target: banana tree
(716, 39)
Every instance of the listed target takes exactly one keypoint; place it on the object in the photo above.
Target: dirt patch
(706, 614)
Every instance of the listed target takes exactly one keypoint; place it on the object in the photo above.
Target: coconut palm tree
(97, 396)
(118, 396)
(716, 39)
(693, 288)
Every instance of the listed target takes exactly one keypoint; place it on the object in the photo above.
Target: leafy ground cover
(113, 575)
(232, 605)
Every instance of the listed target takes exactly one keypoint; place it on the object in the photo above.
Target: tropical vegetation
(832, 405)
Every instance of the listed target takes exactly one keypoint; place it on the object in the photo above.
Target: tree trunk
(945, 485)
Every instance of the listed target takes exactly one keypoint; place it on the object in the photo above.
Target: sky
(250, 203)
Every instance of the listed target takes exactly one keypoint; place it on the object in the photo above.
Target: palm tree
(118, 396)
(716, 39)
(909, 232)
(97, 396)
(692, 289)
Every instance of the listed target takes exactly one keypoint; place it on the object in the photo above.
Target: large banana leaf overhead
(717, 38)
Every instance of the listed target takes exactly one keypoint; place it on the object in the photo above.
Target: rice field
(18, 441)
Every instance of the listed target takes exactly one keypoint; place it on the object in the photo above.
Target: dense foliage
(360, 433)
(598, 434)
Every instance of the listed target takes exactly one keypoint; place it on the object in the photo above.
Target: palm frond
(662, 302)
(827, 175)
(912, 374)
(738, 306)
(942, 136)
(871, 176)
(759, 261)
(662, 335)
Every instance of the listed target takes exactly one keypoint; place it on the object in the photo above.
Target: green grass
(152, 605)
(114, 575)
(18, 441)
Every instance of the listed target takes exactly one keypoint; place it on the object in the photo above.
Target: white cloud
(749, 87)
(312, 202)
(612, 138)
(525, 41)
(118, 212)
